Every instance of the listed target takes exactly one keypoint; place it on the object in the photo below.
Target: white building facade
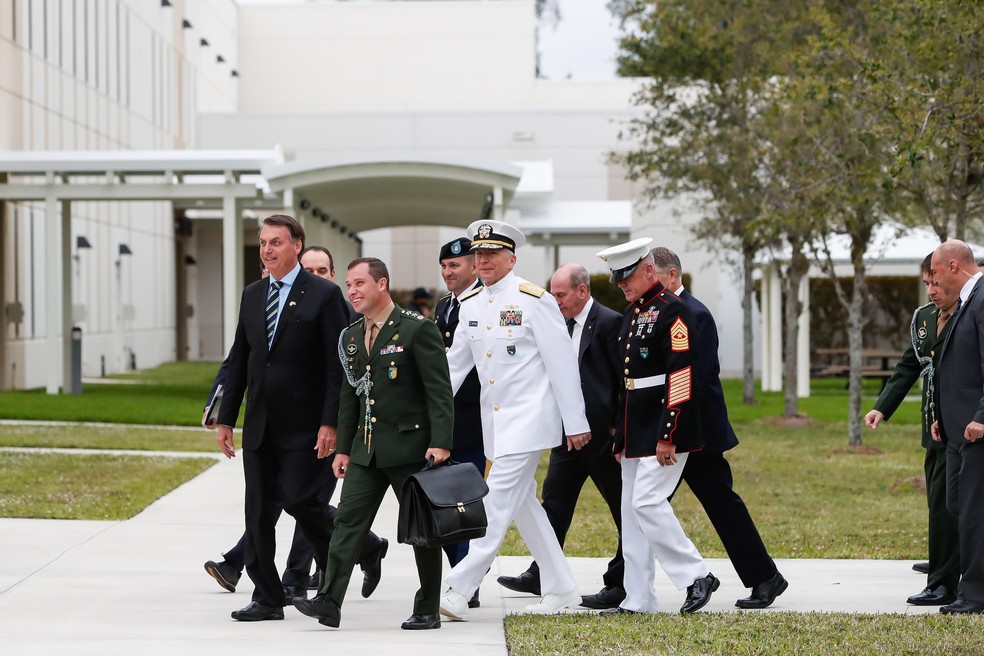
(395, 124)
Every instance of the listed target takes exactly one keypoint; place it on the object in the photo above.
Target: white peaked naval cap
(624, 258)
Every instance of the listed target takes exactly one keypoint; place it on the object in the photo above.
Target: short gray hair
(664, 258)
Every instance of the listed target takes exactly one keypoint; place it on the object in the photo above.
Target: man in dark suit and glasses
(287, 323)
(594, 329)
(460, 274)
(707, 471)
(960, 418)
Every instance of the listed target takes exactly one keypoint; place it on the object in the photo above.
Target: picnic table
(875, 363)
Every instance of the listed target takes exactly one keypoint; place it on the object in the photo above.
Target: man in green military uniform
(395, 412)
(929, 329)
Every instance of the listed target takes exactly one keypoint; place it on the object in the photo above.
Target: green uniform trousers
(362, 494)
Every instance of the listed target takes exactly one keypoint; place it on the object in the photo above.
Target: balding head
(570, 286)
(953, 265)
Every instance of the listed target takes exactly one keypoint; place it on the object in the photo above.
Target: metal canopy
(356, 191)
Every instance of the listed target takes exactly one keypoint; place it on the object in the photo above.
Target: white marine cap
(624, 258)
(494, 235)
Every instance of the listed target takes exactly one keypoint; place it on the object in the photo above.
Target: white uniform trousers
(512, 498)
(650, 532)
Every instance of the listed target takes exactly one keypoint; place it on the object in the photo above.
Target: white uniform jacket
(512, 332)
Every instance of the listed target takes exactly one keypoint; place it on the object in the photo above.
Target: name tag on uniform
(392, 348)
(473, 324)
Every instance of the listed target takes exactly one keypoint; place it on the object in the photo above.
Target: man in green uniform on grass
(929, 329)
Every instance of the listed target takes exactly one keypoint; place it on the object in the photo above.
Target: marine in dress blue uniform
(657, 426)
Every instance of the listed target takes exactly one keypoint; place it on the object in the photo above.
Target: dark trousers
(944, 538)
(964, 495)
(299, 558)
(458, 550)
(709, 477)
(361, 495)
(566, 475)
(302, 485)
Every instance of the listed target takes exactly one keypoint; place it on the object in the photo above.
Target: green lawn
(172, 394)
(84, 436)
(105, 487)
(746, 633)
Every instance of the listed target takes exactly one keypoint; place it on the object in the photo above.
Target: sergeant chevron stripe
(679, 388)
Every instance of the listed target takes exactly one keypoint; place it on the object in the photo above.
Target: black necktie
(570, 326)
(451, 306)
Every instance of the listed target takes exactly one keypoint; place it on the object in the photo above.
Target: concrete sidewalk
(79, 587)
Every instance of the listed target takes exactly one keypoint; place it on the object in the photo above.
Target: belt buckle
(630, 384)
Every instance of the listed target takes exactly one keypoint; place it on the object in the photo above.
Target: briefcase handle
(433, 465)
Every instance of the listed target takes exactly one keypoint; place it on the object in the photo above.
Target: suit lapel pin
(292, 303)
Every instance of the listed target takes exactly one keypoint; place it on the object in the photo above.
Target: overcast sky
(583, 45)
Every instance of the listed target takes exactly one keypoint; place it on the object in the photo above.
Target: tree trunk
(855, 322)
(748, 364)
(799, 265)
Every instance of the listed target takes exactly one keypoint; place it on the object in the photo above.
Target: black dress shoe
(474, 602)
(922, 568)
(963, 607)
(292, 592)
(314, 583)
(937, 596)
(321, 607)
(699, 593)
(608, 597)
(372, 568)
(255, 612)
(525, 582)
(764, 594)
(618, 610)
(417, 622)
(226, 575)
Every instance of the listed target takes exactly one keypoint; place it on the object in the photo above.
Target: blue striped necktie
(272, 307)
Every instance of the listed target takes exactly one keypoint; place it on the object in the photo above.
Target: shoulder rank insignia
(531, 289)
(679, 387)
(464, 297)
(413, 315)
(679, 336)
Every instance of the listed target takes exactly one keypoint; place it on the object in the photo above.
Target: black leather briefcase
(442, 504)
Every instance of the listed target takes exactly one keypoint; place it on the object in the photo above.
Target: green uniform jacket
(924, 343)
(411, 404)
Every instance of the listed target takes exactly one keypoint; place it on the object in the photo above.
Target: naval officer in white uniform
(512, 331)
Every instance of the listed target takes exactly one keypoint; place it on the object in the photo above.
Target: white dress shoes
(553, 602)
(454, 606)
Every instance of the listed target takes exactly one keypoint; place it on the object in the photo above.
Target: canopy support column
(232, 269)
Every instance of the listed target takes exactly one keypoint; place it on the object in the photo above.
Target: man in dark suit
(928, 331)
(707, 471)
(297, 577)
(287, 323)
(461, 276)
(960, 421)
(395, 414)
(594, 328)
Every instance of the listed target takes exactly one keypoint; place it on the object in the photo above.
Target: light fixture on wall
(203, 42)
(219, 59)
(185, 24)
(165, 3)
(82, 242)
(190, 261)
(235, 73)
(125, 250)
(305, 204)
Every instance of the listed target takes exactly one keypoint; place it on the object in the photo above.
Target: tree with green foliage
(707, 64)
(936, 80)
